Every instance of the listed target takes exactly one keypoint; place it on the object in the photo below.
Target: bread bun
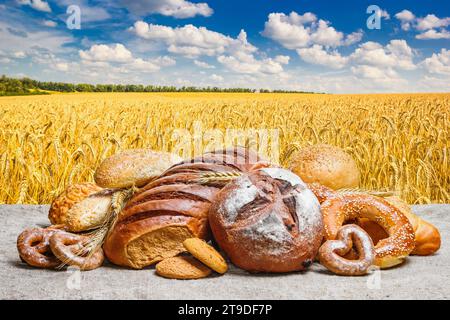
(327, 165)
(267, 221)
(171, 209)
(68, 198)
(133, 167)
(427, 236)
(90, 212)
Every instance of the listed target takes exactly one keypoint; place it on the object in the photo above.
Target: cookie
(206, 254)
(182, 267)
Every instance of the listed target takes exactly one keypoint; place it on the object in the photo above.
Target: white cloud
(236, 54)
(405, 15)
(372, 72)
(438, 63)
(397, 54)
(49, 23)
(89, 13)
(174, 8)
(216, 78)
(100, 55)
(103, 52)
(406, 18)
(353, 37)
(39, 5)
(203, 64)
(318, 55)
(248, 64)
(19, 54)
(430, 27)
(384, 14)
(62, 66)
(188, 40)
(433, 34)
(53, 40)
(296, 31)
(431, 22)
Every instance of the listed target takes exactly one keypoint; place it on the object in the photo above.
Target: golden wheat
(400, 141)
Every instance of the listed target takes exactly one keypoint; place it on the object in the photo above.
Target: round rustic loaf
(133, 167)
(171, 209)
(267, 221)
(68, 198)
(325, 164)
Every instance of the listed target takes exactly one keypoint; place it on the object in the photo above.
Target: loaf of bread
(267, 221)
(170, 209)
(68, 198)
(325, 164)
(133, 167)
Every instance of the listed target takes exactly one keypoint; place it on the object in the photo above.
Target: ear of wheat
(97, 237)
(378, 193)
(217, 177)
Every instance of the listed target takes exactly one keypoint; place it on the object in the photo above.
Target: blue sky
(323, 46)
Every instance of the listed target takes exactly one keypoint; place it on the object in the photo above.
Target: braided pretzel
(332, 252)
(69, 248)
(390, 251)
(34, 249)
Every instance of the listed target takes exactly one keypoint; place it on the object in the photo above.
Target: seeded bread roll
(137, 167)
(89, 213)
(328, 165)
(68, 198)
(171, 209)
(267, 221)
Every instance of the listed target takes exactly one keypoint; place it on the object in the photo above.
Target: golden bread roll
(327, 165)
(133, 167)
(69, 197)
(427, 236)
(89, 213)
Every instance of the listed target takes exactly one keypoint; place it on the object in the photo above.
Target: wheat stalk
(378, 193)
(97, 237)
(217, 177)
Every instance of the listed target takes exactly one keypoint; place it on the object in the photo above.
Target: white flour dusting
(308, 212)
(283, 174)
(245, 193)
(270, 228)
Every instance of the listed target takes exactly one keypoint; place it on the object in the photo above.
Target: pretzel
(390, 251)
(34, 249)
(321, 192)
(69, 248)
(332, 252)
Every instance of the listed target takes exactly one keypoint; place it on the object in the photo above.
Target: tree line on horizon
(27, 86)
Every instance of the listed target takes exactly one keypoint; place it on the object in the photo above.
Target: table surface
(418, 278)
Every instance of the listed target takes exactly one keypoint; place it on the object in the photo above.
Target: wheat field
(400, 141)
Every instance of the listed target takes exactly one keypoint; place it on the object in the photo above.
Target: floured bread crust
(267, 221)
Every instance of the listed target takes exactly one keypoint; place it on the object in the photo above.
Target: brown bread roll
(68, 198)
(427, 236)
(157, 220)
(267, 221)
(133, 167)
(325, 164)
